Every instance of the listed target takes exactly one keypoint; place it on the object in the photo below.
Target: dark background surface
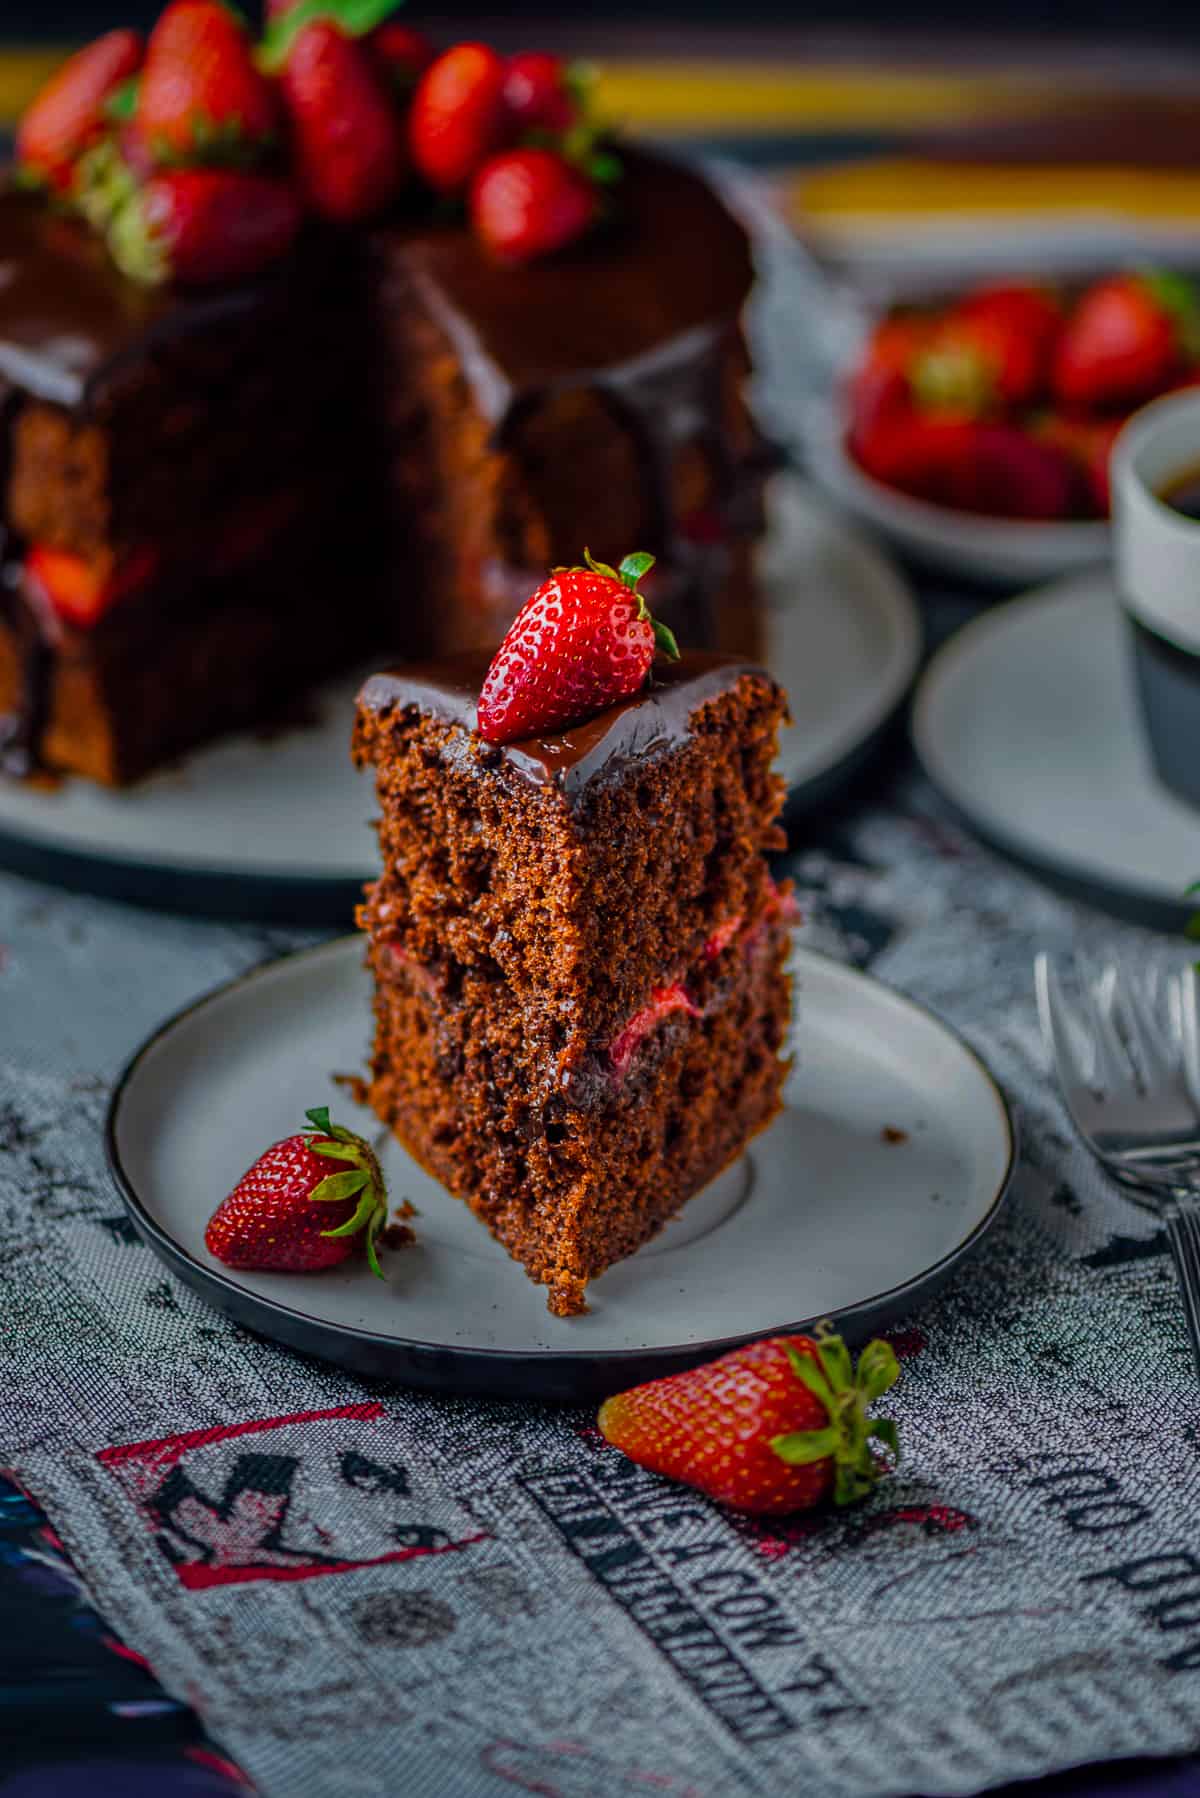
(67, 19)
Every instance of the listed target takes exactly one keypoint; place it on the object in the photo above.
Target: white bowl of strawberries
(976, 434)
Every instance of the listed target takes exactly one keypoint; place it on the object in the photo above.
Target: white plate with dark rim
(279, 827)
(1027, 722)
(823, 1215)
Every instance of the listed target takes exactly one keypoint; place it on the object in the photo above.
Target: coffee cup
(1155, 474)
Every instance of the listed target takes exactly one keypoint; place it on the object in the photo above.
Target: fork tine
(1112, 1070)
(1159, 1065)
(1184, 1004)
(1052, 1009)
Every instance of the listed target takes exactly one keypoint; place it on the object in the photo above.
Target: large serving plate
(1028, 722)
(824, 1215)
(279, 826)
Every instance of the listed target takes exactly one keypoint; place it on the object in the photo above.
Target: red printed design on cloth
(285, 1498)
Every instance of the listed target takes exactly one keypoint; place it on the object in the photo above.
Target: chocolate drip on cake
(651, 328)
(21, 726)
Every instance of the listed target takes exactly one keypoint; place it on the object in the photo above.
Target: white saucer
(1013, 551)
(1027, 721)
(822, 1216)
(279, 827)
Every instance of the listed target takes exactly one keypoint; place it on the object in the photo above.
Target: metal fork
(1127, 1054)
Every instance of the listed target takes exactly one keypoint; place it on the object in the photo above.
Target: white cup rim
(1130, 446)
(1157, 547)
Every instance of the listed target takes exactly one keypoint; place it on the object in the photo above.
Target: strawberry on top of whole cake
(339, 311)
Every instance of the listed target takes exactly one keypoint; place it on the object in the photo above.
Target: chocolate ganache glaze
(643, 312)
(656, 718)
(69, 318)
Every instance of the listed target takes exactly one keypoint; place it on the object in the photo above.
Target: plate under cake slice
(578, 952)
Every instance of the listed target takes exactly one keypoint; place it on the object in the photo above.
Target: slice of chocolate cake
(578, 952)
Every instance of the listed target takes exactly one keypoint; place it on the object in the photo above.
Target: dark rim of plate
(890, 1297)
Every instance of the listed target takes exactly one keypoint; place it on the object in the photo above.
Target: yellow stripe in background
(22, 72)
(699, 95)
(890, 190)
(745, 99)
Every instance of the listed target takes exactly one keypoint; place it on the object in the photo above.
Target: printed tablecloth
(368, 1590)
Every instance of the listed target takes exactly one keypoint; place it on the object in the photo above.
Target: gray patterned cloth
(366, 1590)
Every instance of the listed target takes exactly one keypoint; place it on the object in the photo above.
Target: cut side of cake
(185, 481)
(578, 952)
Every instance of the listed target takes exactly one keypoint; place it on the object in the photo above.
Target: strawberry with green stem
(1128, 338)
(770, 1428)
(583, 641)
(280, 1214)
(199, 226)
(201, 96)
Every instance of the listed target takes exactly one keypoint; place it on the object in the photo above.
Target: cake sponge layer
(571, 1188)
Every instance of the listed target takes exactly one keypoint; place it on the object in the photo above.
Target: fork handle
(1181, 1215)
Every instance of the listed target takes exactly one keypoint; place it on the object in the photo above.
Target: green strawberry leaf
(368, 1204)
(121, 104)
(664, 640)
(340, 1186)
(373, 1229)
(318, 1117)
(633, 568)
(1177, 296)
(884, 1430)
(811, 1375)
(600, 567)
(803, 1447)
(878, 1369)
(337, 1151)
(354, 17)
(579, 79)
(1173, 291)
(605, 168)
(844, 1391)
(835, 1360)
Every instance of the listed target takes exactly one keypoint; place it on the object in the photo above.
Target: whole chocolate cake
(578, 949)
(214, 492)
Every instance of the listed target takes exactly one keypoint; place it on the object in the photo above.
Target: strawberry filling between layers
(620, 1054)
(78, 591)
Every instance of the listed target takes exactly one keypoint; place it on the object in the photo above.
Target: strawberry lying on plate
(1006, 401)
(310, 1202)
